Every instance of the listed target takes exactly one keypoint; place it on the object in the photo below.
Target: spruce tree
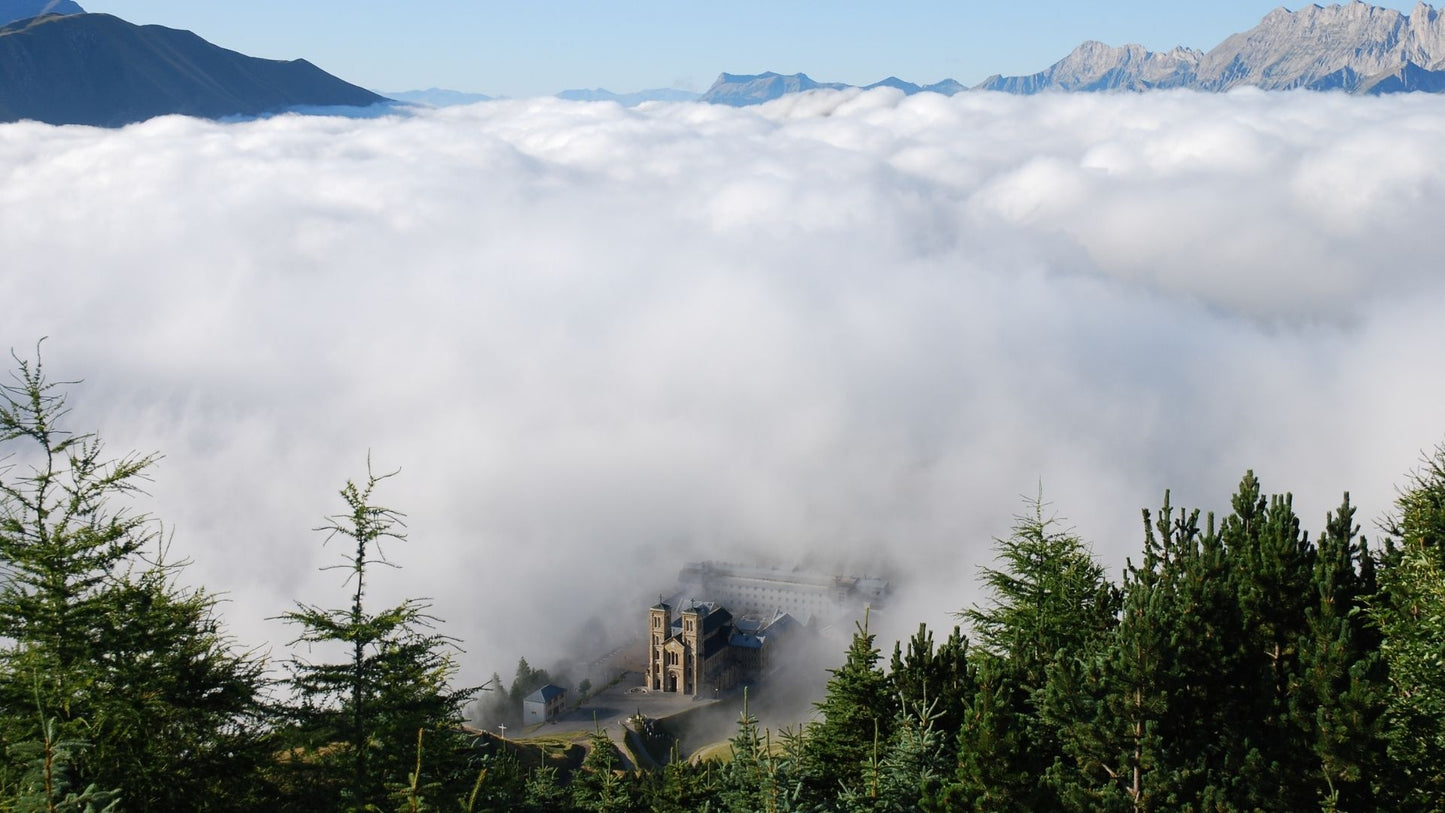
(741, 780)
(598, 786)
(994, 769)
(857, 709)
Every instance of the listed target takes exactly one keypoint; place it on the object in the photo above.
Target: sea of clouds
(842, 330)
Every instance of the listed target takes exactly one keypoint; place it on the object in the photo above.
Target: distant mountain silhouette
(740, 90)
(12, 10)
(438, 97)
(629, 99)
(101, 70)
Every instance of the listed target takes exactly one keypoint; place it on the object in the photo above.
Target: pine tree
(1272, 571)
(1341, 699)
(941, 679)
(993, 770)
(357, 721)
(915, 765)
(1109, 706)
(1409, 611)
(98, 634)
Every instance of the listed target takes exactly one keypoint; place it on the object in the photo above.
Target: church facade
(704, 648)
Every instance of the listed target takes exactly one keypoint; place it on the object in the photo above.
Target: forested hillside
(1239, 663)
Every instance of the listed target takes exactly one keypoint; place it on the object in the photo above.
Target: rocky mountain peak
(1353, 46)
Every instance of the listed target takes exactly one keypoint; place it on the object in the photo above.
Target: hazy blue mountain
(630, 99)
(745, 89)
(740, 90)
(947, 87)
(1353, 47)
(101, 70)
(894, 82)
(12, 10)
(438, 97)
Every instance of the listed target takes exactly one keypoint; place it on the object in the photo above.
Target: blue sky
(536, 48)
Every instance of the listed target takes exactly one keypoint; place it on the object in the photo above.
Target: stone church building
(705, 648)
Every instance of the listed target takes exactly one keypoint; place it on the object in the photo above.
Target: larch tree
(357, 720)
(99, 646)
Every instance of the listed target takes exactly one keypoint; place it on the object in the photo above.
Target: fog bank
(842, 330)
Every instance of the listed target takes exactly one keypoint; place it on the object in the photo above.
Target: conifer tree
(941, 679)
(1409, 610)
(1048, 600)
(357, 720)
(544, 791)
(1109, 707)
(1272, 571)
(742, 785)
(97, 636)
(857, 709)
(1343, 691)
(913, 768)
(1413, 625)
(598, 787)
(993, 769)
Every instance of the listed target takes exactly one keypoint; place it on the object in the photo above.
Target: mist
(843, 330)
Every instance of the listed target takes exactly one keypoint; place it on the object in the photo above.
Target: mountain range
(61, 65)
(1354, 47)
(72, 67)
(740, 90)
(629, 99)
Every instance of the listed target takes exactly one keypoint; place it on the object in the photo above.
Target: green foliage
(1342, 694)
(1238, 666)
(857, 711)
(1049, 607)
(908, 773)
(100, 637)
(599, 786)
(47, 783)
(356, 722)
(544, 790)
(1410, 613)
(1049, 595)
(940, 679)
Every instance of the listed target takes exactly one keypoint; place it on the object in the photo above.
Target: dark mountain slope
(12, 10)
(101, 70)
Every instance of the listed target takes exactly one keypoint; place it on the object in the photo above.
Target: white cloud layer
(842, 330)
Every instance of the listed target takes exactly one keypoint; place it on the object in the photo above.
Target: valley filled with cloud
(842, 330)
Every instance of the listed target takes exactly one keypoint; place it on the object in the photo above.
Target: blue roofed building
(543, 705)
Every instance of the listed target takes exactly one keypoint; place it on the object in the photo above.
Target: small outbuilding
(547, 703)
